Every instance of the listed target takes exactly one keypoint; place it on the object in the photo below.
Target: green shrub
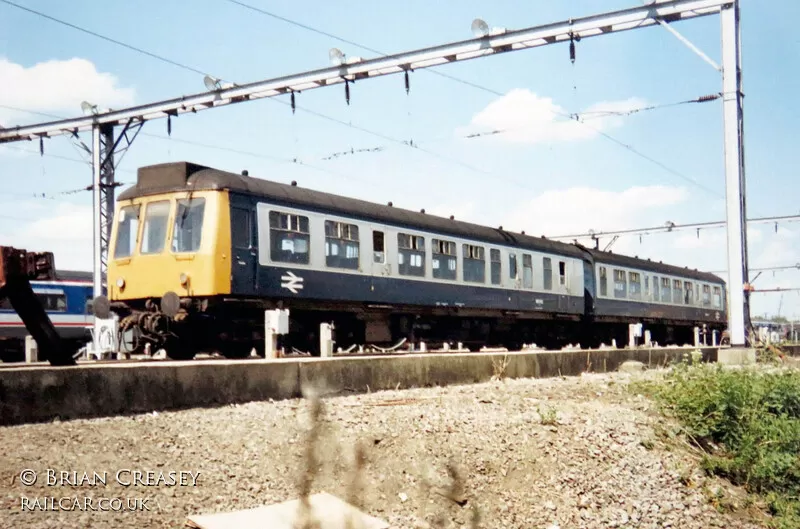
(748, 424)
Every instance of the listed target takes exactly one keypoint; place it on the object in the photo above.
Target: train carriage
(198, 254)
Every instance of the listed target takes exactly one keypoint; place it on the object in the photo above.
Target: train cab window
(718, 297)
(156, 215)
(512, 266)
(620, 284)
(547, 273)
(656, 295)
(474, 263)
(341, 245)
(688, 297)
(562, 273)
(188, 226)
(666, 291)
(378, 247)
(289, 238)
(706, 295)
(127, 231)
(527, 271)
(603, 281)
(444, 260)
(676, 291)
(647, 287)
(410, 255)
(635, 285)
(496, 264)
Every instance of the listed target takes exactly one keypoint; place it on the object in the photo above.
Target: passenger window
(676, 291)
(410, 255)
(527, 271)
(620, 284)
(289, 238)
(474, 263)
(127, 231)
(646, 287)
(154, 234)
(635, 285)
(52, 301)
(444, 259)
(603, 281)
(495, 271)
(562, 273)
(656, 296)
(718, 297)
(512, 266)
(341, 245)
(188, 228)
(706, 295)
(240, 228)
(547, 273)
(378, 247)
(666, 292)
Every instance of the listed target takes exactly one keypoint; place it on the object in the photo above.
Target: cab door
(244, 265)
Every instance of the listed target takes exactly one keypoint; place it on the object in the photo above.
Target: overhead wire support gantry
(486, 43)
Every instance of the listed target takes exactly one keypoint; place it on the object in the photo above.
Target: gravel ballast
(564, 452)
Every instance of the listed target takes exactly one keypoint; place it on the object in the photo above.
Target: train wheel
(236, 349)
(179, 350)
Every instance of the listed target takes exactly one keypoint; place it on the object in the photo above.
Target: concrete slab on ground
(330, 511)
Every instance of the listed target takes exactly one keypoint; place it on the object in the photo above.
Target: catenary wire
(477, 86)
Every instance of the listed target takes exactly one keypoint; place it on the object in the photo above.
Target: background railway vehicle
(198, 254)
(67, 301)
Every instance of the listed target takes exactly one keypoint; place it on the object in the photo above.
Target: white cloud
(56, 87)
(65, 230)
(528, 118)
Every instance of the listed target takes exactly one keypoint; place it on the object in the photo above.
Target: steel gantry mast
(487, 42)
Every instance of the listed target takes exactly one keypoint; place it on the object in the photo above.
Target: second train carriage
(68, 303)
(198, 254)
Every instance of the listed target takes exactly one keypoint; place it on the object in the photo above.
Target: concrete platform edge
(43, 393)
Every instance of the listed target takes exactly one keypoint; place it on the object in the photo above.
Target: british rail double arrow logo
(292, 282)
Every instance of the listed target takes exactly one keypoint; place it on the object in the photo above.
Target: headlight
(120, 282)
(184, 279)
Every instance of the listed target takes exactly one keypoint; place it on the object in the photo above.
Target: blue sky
(543, 176)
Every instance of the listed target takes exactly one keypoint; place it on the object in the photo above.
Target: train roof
(187, 176)
(73, 275)
(184, 176)
(652, 266)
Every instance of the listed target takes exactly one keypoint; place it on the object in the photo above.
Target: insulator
(710, 97)
(41, 146)
(572, 48)
(169, 125)
(698, 233)
(640, 239)
(347, 91)
(292, 100)
(776, 227)
(408, 86)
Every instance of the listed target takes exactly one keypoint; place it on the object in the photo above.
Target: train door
(588, 287)
(379, 256)
(244, 266)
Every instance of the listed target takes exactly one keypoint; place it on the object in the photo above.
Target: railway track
(207, 357)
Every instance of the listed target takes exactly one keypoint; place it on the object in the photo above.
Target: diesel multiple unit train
(198, 254)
